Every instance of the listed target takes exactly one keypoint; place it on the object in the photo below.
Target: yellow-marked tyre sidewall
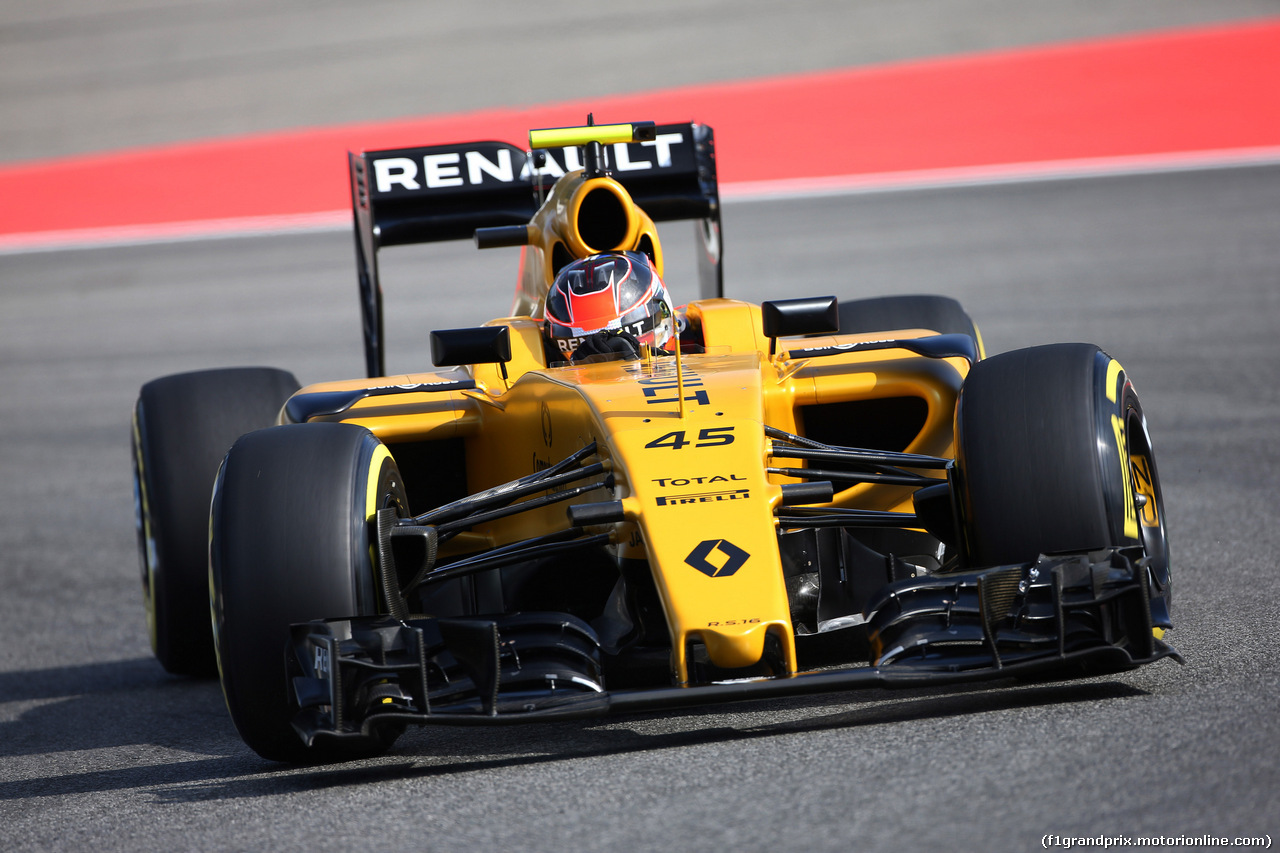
(291, 542)
(1047, 439)
(1115, 402)
(1135, 502)
(384, 487)
(1037, 468)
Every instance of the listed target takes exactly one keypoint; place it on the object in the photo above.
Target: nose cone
(735, 646)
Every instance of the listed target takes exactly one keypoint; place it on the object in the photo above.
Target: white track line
(173, 232)
(745, 191)
(1003, 173)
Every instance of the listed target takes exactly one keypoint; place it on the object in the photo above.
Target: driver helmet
(612, 291)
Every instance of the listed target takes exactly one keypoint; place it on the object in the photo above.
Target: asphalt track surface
(80, 75)
(1177, 275)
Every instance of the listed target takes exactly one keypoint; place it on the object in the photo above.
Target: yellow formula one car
(607, 503)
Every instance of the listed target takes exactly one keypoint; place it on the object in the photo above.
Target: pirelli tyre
(1053, 456)
(182, 427)
(940, 314)
(292, 539)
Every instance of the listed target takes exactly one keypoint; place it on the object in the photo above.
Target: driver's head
(613, 291)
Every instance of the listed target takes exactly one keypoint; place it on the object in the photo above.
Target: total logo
(717, 558)
(688, 498)
(697, 481)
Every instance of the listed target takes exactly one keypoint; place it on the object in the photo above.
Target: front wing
(1060, 617)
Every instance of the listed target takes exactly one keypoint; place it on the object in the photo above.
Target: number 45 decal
(710, 437)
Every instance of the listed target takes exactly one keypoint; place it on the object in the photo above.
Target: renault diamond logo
(730, 560)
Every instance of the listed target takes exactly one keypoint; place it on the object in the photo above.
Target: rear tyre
(1054, 456)
(182, 427)
(940, 314)
(292, 540)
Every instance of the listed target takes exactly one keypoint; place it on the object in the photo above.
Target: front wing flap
(1061, 616)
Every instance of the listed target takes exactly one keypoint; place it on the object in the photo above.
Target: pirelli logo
(704, 497)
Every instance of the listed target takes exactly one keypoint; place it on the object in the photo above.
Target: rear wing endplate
(445, 192)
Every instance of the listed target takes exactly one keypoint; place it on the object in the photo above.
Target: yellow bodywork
(688, 483)
(688, 452)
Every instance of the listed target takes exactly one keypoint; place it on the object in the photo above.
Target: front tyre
(182, 427)
(292, 540)
(1053, 456)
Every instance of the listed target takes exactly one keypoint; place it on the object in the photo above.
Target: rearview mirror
(811, 315)
(478, 345)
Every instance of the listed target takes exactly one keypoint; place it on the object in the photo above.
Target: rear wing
(445, 192)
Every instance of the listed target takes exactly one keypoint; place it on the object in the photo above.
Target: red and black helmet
(613, 291)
